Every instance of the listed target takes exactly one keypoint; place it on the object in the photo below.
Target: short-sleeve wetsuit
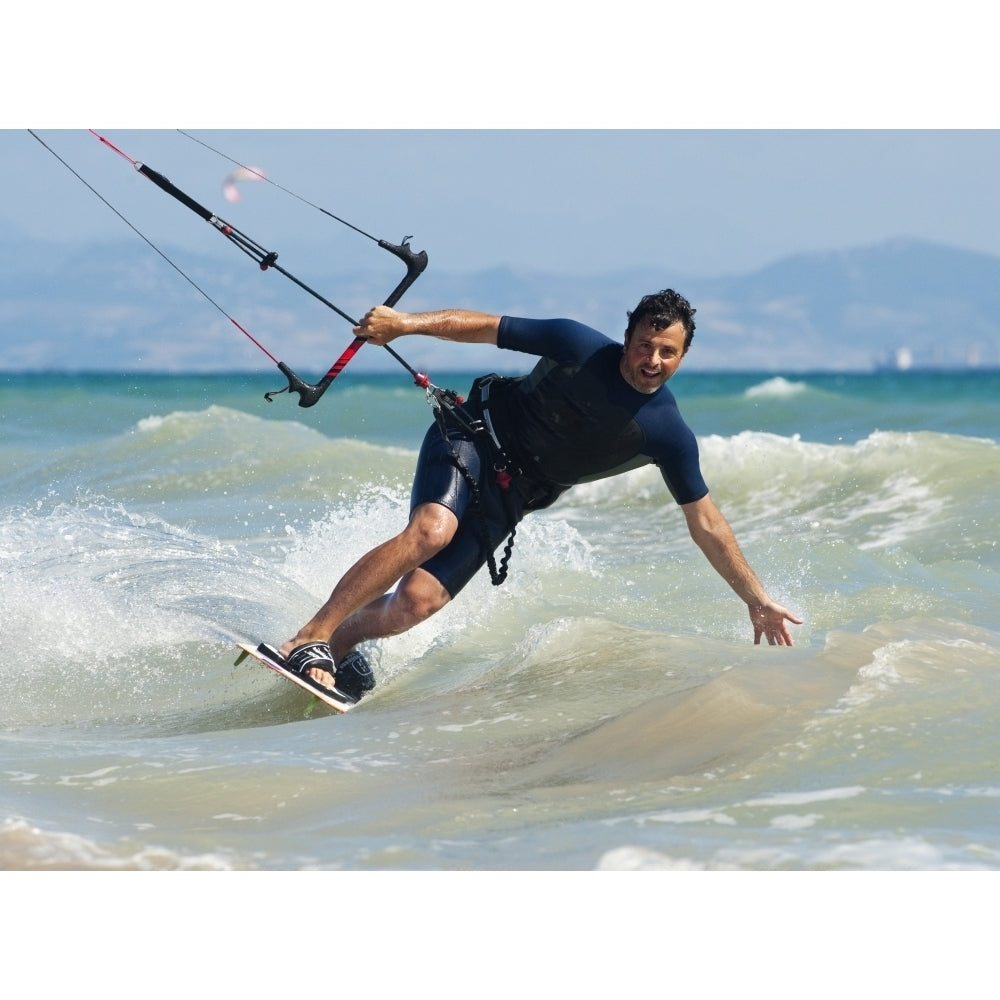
(573, 419)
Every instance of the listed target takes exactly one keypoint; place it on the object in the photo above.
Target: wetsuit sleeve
(565, 341)
(681, 469)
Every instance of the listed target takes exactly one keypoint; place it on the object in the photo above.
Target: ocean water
(605, 709)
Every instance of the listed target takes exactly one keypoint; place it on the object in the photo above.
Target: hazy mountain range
(121, 306)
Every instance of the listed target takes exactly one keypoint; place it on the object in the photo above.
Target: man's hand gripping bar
(309, 395)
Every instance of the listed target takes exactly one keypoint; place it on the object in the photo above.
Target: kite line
(309, 394)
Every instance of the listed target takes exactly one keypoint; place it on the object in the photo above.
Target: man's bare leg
(431, 528)
(417, 596)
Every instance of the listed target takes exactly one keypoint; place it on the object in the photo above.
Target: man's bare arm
(714, 536)
(382, 325)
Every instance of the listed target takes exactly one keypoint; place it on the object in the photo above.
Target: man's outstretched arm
(382, 325)
(713, 535)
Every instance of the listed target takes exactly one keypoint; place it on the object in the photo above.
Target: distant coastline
(899, 305)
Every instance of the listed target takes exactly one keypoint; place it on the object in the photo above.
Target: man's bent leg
(430, 529)
(417, 596)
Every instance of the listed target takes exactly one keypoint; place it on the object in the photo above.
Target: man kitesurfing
(591, 408)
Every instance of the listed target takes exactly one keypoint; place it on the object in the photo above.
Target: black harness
(445, 404)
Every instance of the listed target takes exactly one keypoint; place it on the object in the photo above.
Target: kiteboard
(269, 657)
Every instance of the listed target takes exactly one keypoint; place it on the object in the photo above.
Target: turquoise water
(605, 709)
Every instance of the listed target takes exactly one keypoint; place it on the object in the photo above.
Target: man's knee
(431, 528)
(419, 595)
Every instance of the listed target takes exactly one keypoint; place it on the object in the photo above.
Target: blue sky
(397, 117)
(703, 202)
(696, 140)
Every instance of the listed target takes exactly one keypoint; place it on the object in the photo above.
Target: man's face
(651, 356)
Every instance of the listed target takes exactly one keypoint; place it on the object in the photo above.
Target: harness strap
(442, 404)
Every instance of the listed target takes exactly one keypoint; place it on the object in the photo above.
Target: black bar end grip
(164, 185)
(415, 265)
(309, 395)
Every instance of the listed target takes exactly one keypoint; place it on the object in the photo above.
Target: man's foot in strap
(353, 676)
(312, 659)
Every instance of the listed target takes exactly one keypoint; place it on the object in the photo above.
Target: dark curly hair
(662, 309)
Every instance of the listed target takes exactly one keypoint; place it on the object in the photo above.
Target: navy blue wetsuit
(573, 419)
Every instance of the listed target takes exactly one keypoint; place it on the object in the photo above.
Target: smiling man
(590, 408)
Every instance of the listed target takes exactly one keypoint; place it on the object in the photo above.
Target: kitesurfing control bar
(308, 394)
